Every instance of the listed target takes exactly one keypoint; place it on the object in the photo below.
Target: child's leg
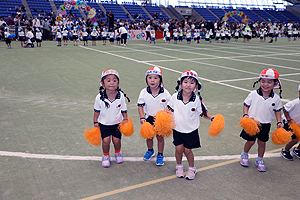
(117, 143)
(179, 153)
(149, 143)
(160, 143)
(248, 146)
(261, 148)
(106, 145)
(290, 144)
(189, 156)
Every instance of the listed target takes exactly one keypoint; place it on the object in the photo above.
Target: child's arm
(208, 116)
(245, 111)
(96, 115)
(124, 116)
(287, 116)
(278, 117)
(141, 113)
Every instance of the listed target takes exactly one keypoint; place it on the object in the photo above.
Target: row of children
(186, 106)
(27, 37)
(78, 33)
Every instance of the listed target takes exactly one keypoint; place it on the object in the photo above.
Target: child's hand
(142, 121)
(96, 125)
(279, 125)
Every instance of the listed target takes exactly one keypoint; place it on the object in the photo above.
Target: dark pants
(123, 38)
(148, 35)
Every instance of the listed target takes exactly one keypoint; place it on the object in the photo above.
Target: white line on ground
(130, 159)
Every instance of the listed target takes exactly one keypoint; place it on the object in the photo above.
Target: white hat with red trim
(190, 73)
(269, 74)
(109, 72)
(154, 70)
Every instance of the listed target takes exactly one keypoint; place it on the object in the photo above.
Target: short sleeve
(141, 100)
(97, 106)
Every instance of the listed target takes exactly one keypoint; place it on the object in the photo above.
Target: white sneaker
(119, 157)
(191, 173)
(179, 171)
(106, 161)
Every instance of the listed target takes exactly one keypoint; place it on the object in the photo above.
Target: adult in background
(123, 32)
(110, 18)
(46, 30)
(10, 22)
(17, 21)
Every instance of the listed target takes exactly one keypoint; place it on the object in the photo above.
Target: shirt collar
(160, 91)
(261, 94)
(192, 99)
(118, 96)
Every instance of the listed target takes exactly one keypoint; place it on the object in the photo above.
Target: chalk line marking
(129, 159)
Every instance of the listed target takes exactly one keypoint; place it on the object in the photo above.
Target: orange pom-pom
(280, 136)
(147, 131)
(216, 126)
(296, 129)
(250, 126)
(126, 127)
(164, 123)
(93, 136)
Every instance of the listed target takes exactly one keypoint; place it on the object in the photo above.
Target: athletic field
(47, 96)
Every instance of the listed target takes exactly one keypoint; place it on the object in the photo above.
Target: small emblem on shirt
(273, 104)
(118, 106)
(163, 100)
(193, 109)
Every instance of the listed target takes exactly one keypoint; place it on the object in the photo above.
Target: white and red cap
(271, 74)
(154, 70)
(191, 73)
(108, 72)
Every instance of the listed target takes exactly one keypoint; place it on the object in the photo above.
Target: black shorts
(75, 37)
(287, 128)
(263, 135)
(189, 140)
(21, 38)
(38, 40)
(289, 35)
(84, 38)
(7, 41)
(65, 37)
(188, 39)
(118, 39)
(151, 120)
(111, 39)
(236, 37)
(59, 39)
(175, 38)
(180, 37)
(110, 130)
(271, 35)
(103, 38)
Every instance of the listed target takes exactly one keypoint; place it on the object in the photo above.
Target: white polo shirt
(113, 114)
(186, 115)
(260, 108)
(152, 104)
(293, 108)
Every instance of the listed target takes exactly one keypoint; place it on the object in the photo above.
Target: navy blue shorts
(110, 130)
(189, 140)
(263, 135)
(151, 120)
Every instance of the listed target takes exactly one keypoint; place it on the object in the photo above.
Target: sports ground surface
(47, 96)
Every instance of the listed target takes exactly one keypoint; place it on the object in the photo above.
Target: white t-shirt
(122, 30)
(186, 115)
(293, 108)
(152, 104)
(38, 35)
(260, 108)
(113, 114)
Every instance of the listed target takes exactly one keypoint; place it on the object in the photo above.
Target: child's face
(267, 85)
(153, 81)
(110, 82)
(188, 84)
